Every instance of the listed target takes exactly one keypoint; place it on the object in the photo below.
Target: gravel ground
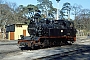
(28, 55)
(77, 56)
(8, 42)
(7, 47)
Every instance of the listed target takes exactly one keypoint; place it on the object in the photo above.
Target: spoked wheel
(32, 46)
(61, 43)
(45, 43)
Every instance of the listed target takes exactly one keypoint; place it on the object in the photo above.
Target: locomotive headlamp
(61, 30)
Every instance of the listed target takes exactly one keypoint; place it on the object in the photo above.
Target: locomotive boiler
(47, 33)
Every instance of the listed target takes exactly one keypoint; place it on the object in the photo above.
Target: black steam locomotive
(46, 33)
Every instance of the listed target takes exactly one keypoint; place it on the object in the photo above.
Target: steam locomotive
(47, 33)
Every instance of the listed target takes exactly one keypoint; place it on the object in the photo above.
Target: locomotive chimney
(57, 9)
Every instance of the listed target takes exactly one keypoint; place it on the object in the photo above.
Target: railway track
(64, 53)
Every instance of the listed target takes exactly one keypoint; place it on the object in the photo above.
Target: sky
(84, 3)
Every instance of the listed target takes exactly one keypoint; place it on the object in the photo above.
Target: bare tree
(85, 18)
(76, 9)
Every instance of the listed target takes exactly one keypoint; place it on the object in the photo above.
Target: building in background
(14, 31)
